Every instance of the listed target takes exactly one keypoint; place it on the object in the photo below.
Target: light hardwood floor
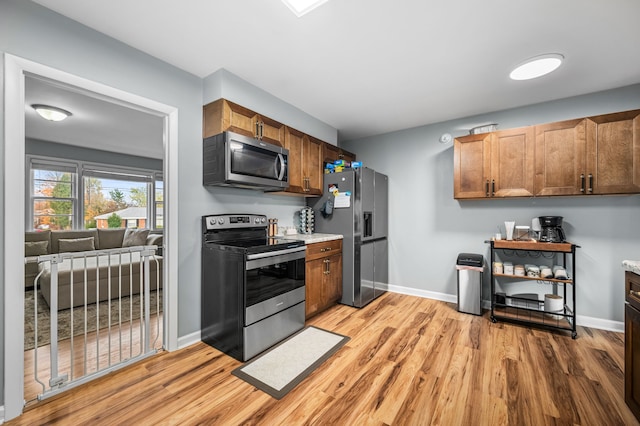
(114, 347)
(410, 361)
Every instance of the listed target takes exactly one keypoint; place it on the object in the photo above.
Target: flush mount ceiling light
(537, 66)
(300, 7)
(51, 113)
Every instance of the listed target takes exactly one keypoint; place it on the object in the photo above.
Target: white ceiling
(96, 122)
(368, 67)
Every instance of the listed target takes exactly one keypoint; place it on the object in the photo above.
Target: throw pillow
(110, 238)
(36, 248)
(76, 244)
(135, 237)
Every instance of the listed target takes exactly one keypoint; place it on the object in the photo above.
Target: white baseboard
(189, 339)
(583, 321)
(1, 414)
(601, 324)
(444, 297)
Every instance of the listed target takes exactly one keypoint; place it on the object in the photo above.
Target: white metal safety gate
(101, 305)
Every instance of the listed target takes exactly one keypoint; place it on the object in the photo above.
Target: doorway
(16, 71)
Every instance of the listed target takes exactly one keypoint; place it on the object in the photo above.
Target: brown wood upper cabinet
(223, 115)
(331, 153)
(594, 155)
(586, 156)
(305, 162)
(498, 164)
(613, 153)
(560, 164)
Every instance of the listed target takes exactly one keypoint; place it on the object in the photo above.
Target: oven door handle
(260, 260)
(275, 253)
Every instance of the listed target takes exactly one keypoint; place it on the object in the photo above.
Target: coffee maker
(551, 229)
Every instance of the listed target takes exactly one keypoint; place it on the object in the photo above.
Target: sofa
(123, 269)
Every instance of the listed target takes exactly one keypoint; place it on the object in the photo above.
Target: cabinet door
(347, 156)
(332, 287)
(293, 141)
(271, 131)
(312, 165)
(560, 158)
(330, 153)
(512, 162)
(314, 276)
(222, 115)
(471, 167)
(632, 359)
(613, 153)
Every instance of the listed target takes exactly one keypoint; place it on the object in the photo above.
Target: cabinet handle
(322, 250)
(327, 271)
(493, 187)
(486, 187)
(582, 183)
(257, 130)
(634, 293)
(590, 183)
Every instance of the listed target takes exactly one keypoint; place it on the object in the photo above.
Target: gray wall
(223, 84)
(70, 152)
(38, 34)
(428, 228)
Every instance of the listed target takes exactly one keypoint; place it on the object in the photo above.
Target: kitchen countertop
(312, 238)
(631, 266)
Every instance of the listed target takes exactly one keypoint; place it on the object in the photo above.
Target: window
(115, 198)
(73, 195)
(54, 196)
(158, 206)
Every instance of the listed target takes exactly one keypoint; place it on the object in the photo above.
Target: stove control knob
(212, 221)
(221, 220)
(256, 220)
(263, 220)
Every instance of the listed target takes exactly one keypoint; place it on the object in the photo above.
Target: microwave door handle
(280, 159)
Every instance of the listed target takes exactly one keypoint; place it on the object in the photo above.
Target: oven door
(274, 282)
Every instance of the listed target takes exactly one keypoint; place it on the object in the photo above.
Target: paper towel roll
(553, 303)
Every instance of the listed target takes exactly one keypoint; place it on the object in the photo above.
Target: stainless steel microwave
(231, 159)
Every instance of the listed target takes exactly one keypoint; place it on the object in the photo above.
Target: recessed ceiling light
(51, 113)
(537, 66)
(300, 7)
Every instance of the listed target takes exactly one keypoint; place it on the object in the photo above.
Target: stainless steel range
(253, 286)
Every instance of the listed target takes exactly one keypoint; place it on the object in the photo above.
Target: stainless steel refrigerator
(355, 204)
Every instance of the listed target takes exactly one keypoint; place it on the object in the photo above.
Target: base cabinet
(323, 275)
(632, 343)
